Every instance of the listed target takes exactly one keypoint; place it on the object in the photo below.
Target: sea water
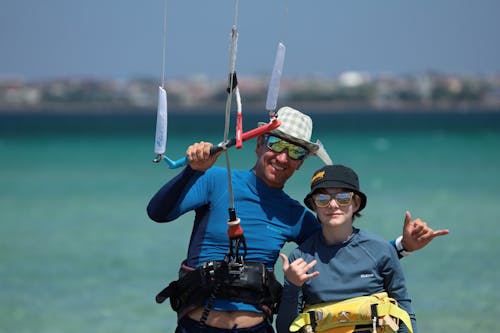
(79, 254)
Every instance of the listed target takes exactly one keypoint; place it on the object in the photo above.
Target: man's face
(274, 168)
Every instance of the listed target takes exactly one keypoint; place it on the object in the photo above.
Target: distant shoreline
(214, 108)
(181, 121)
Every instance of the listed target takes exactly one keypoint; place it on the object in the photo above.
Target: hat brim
(310, 146)
(310, 204)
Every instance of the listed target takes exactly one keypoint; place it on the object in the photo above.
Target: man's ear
(258, 145)
(260, 140)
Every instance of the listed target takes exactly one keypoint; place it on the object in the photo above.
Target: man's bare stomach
(228, 319)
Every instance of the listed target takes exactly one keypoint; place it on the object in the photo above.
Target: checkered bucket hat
(295, 127)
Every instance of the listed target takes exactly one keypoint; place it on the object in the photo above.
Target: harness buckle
(235, 268)
(209, 269)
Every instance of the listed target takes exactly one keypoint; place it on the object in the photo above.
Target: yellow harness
(378, 312)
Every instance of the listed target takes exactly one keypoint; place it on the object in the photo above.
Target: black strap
(185, 285)
(312, 319)
(250, 283)
(233, 79)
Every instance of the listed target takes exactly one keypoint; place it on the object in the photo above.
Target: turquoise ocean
(79, 254)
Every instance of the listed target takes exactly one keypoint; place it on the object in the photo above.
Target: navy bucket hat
(338, 176)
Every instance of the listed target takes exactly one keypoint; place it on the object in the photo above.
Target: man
(215, 291)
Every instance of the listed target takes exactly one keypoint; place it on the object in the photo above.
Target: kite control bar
(228, 143)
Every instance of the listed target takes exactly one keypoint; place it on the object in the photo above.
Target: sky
(112, 39)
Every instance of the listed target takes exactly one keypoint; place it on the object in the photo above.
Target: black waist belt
(249, 283)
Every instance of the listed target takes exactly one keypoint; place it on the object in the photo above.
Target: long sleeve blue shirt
(365, 264)
(269, 217)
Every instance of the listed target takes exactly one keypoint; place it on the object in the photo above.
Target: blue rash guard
(269, 217)
(365, 264)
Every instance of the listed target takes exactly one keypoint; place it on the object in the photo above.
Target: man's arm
(164, 204)
(163, 207)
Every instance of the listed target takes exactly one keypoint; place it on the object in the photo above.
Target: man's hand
(417, 234)
(296, 272)
(199, 157)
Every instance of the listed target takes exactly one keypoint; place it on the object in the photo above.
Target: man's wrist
(398, 243)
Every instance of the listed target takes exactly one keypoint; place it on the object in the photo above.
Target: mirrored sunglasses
(323, 199)
(278, 145)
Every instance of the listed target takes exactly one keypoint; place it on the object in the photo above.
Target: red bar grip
(261, 130)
